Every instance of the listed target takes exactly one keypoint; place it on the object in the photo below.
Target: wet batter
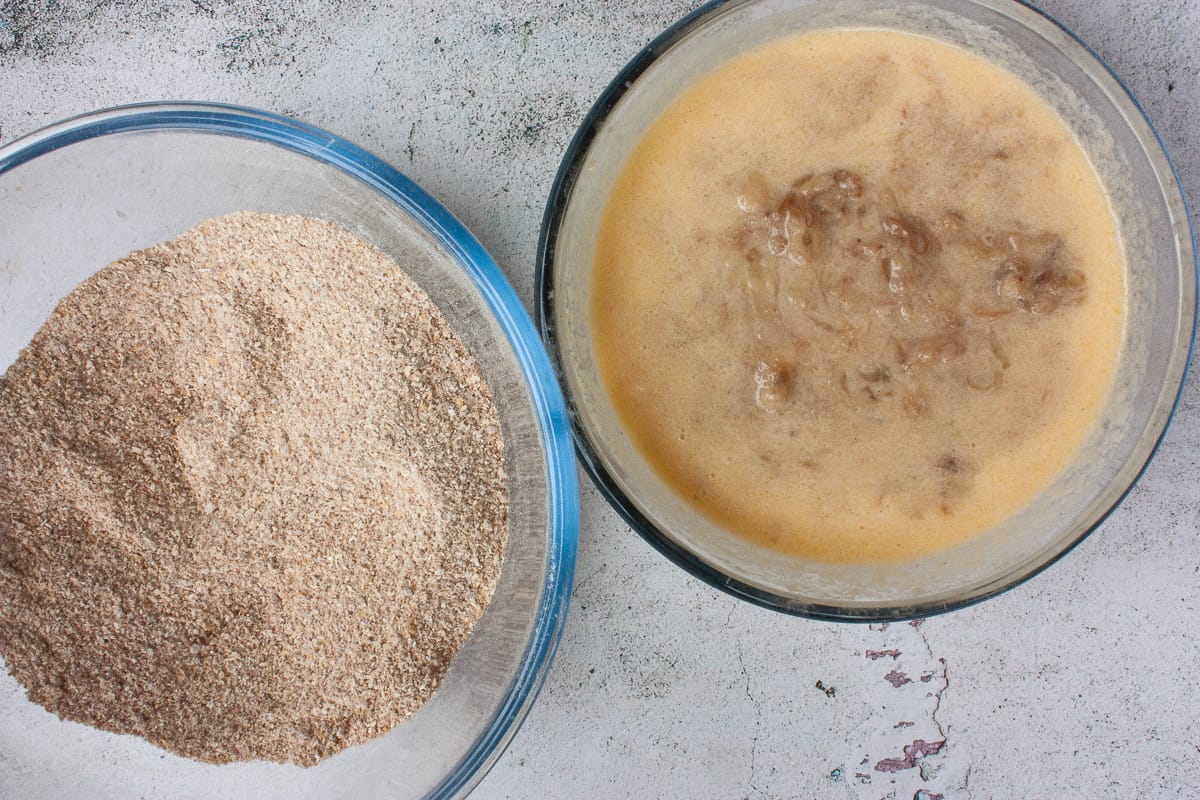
(858, 295)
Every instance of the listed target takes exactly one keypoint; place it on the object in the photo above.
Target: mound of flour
(252, 495)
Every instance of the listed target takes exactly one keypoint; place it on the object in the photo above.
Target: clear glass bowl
(1155, 230)
(84, 192)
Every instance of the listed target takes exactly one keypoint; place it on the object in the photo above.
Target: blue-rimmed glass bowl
(84, 192)
(1151, 216)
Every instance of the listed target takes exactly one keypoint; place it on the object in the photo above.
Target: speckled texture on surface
(1079, 684)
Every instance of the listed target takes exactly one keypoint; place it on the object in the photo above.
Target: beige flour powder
(252, 495)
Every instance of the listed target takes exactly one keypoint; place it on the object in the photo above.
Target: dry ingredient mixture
(252, 495)
(858, 295)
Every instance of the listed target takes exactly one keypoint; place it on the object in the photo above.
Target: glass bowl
(1161, 300)
(84, 192)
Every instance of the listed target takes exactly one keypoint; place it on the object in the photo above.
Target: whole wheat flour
(252, 495)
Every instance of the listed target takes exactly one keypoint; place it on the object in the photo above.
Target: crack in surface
(937, 706)
(945, 670)
(966, 785)
(757, 714)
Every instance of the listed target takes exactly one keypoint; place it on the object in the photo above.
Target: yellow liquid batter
(858, 295)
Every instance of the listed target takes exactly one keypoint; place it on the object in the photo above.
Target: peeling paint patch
(906, 741)
(912, 754)
(875, 655)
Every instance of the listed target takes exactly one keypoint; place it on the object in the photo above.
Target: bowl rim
(1036, 21)
(502, 301)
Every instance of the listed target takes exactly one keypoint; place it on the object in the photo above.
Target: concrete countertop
(1082, 683)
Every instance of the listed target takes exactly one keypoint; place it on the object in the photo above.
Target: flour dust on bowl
(866, 310)
(89, 191)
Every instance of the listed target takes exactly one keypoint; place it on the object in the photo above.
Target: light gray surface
(1081, 683)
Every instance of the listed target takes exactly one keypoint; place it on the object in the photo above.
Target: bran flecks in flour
(252, 495)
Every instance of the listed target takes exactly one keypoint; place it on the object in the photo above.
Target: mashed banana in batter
(858, 295)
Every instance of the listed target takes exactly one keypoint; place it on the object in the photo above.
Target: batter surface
(858, 295)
